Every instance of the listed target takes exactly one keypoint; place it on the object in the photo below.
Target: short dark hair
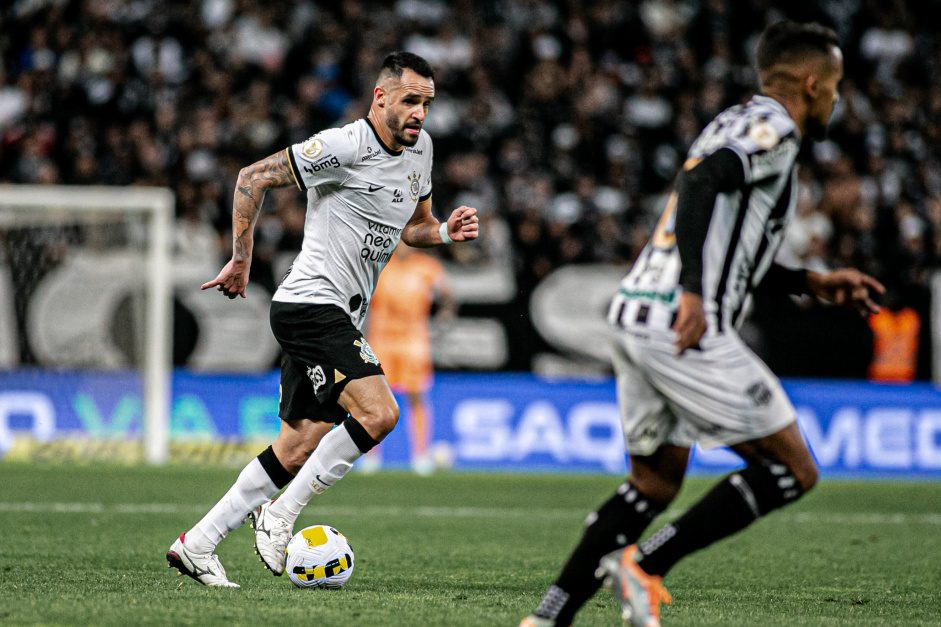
(789, 42)
(397, 62)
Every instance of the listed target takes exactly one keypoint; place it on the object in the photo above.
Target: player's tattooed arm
(424, 231)
(253, 182)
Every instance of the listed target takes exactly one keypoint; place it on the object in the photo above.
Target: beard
(816, 129)
(401, 137)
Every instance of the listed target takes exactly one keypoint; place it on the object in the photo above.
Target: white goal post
(38, 205)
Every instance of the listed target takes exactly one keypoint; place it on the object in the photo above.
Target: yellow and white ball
(319, 557)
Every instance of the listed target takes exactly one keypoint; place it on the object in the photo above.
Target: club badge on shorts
(365, 351)
(317, 377)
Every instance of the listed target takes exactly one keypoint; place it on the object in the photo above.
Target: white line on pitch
(835, 518)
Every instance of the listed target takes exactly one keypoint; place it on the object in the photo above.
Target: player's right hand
(463, 224)
(690, 322)
(233, 279)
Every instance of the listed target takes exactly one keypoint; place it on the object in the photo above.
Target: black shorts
(321, 352)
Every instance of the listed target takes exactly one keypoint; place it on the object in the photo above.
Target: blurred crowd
(562, 122)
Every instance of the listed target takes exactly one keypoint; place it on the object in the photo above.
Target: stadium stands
(563, 122)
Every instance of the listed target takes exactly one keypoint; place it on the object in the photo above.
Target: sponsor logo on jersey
(312, 148)
(317, 377)
(375, 188)
(330, 161)
(414, 151)
(414, 185)
(768, 157)
(383, 229)
(370, 154)
(377, 256)
(397, 196)
(365, 351)
(379, 242)
(666, 298)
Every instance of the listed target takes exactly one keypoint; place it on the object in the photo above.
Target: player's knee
(802, 468)
(294, 460)
(380, 419)
(658, 488)
(769, 485)
(806, 474)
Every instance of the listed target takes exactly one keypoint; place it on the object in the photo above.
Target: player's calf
(733, 504)
(616, 524)
(333, 458)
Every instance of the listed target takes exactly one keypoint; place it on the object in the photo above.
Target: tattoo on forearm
(253, 182)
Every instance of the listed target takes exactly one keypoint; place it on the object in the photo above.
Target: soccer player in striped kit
(683, 373)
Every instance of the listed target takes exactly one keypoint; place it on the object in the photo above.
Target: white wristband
(443, 232)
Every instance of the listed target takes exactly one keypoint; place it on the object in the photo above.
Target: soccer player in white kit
(368, 186)
(683, 373)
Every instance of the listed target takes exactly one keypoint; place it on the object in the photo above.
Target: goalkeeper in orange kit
(399, 331)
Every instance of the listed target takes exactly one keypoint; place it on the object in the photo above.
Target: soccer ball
(319, 557)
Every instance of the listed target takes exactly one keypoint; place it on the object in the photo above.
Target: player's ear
(811, 86)
(379, 96)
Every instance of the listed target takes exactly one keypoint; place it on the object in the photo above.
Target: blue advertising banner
(508, 422)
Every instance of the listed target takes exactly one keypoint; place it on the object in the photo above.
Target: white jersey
(360, 195)
(745, 231)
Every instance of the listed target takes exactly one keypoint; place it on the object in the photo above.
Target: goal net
(85, 316)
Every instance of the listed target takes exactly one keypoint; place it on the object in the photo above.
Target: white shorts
(720, 395)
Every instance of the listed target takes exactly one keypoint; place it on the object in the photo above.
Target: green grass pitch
(86, 545)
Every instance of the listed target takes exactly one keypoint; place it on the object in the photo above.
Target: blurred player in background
(368, 186)
(399, 331)
(683, 373)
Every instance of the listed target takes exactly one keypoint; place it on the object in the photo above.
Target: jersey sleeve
(324, 159)
(696, 189)
(765, 143)
(424, 191)
(766, 147)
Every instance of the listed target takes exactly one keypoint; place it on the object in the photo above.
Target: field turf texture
(86, 545)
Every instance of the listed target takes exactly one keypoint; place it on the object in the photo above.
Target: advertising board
(500, 421)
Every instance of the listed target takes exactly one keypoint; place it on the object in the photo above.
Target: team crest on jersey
(317, 377)
(365, 351)
(312, 148)
(415, 186)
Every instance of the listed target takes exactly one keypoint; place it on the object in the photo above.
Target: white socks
(253, 488)
(332, 458)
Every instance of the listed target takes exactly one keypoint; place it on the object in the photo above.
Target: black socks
(276, 472)
(733, 504)
(616, 524)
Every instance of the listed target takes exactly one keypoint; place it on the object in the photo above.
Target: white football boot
(272, 535)
(204, 568)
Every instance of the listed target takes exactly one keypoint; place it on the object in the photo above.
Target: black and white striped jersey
(745, 230)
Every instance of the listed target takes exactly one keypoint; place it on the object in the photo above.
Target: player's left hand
(847, 287)
(463, 224)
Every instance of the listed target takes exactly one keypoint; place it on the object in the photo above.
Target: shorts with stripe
(718, 395)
